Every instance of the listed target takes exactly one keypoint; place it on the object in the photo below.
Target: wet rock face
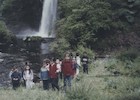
(7, 61)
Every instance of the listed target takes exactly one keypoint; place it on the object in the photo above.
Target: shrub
(81, 49)
(59, 47)
(5, 35)
(131, 55)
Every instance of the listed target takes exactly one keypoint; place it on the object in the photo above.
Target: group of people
(26, 75)
(51, 71)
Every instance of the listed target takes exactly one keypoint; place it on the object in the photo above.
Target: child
(58, 65)
(53, 73)
(28, 77)
(78, 61)
(10, 73)
(15, 77)
(85, 61)
(44, 74)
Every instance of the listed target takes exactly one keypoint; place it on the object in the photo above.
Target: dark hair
(53, 59)
(14, 68)
(29, 69)
(77, 54)
(26, 63)
(46, 60)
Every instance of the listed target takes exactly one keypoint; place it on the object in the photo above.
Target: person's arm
(19, 76)
(24, 75)
(32, 75)
(62, 67)
(10, 74)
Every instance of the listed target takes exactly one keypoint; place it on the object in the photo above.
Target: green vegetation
(19, 12)
(100, 84)
(101, 25)
(94, 26)
(98, 24)
(6, 36)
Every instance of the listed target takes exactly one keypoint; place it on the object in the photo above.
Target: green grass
(99, 84)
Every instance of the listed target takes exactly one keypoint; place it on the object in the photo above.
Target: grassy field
(99, 84)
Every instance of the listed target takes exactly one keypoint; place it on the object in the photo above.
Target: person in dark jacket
(85, 61)
(16, 76)
(67, 70)
(44, 74)
(53, 74)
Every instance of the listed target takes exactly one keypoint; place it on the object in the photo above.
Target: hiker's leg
(56, 83)
(47, 84)
(65, 83)
(52, 83)
(69, 81)
(44, 84)
(84, 68)
(14, 84)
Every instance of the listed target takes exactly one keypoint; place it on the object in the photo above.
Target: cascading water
(48, 19)
(47, 24)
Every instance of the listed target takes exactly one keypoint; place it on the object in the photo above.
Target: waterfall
(47, 25)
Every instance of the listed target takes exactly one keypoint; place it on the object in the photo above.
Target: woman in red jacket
(53, 74)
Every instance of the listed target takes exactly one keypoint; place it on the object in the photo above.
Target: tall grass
(99, 84)
(33, 94)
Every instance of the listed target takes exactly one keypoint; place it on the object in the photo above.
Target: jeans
(46, 84)
(67, 81)
(54, 83)
(16, 84)
(85, 68)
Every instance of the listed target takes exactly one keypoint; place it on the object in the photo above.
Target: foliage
(96, 23)
(90, 23)
(80, 24)
(80, 92)
(5, 35)
(59, 47)
(34, 39)
(89, 87)
(22, 12)
(130, 55)
(80, 49)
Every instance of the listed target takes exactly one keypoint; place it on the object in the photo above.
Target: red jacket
(52, 71)
(67, 67)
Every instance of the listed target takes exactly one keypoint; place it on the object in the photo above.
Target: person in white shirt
(28, 77)
(78, 61)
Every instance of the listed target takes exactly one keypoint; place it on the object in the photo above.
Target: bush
(59, 47)
(80, 92)
(81, 49)
(5, 35)
(131, 55)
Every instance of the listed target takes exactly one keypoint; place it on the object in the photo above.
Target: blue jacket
(16, 76)
(44, 74)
